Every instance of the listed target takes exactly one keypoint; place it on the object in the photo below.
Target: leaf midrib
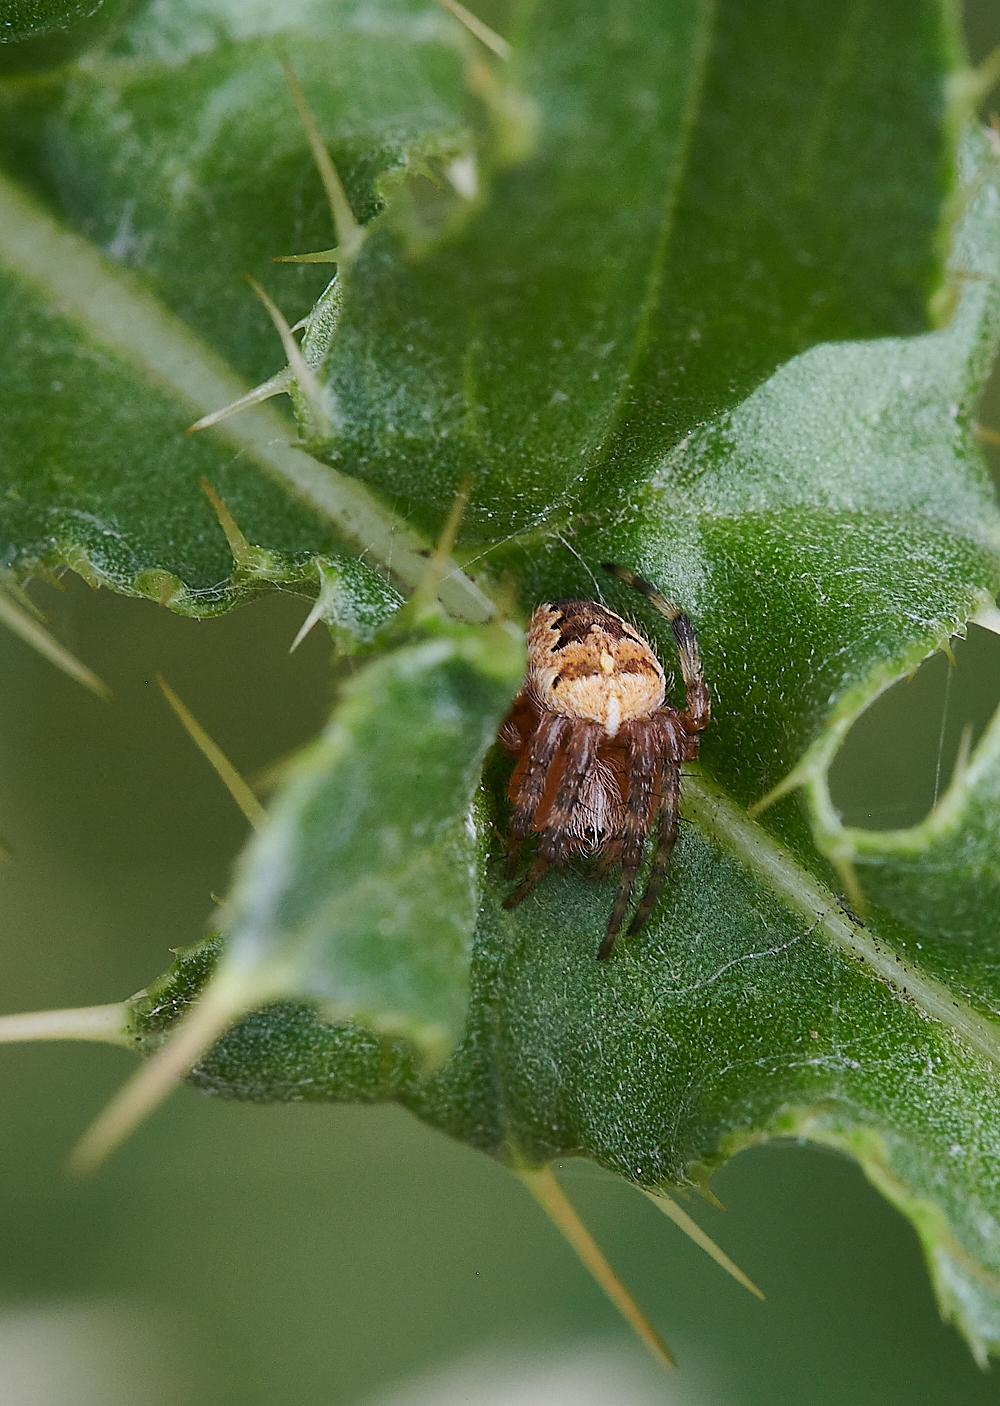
(616, 411)
(724, 822)
(113, 308)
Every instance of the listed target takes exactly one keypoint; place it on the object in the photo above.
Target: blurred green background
(310, 1256)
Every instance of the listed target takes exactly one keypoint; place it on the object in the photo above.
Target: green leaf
(144, 147)
(837, 526)
(26, 19)
(284, 1052)
(653, 260)
(669, 299)
(940, 879)
(362, 890)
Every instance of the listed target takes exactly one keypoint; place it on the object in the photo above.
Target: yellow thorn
(420, 168)
(194, 1034)
(277, 385)
(10, 584)
(350, 235)
(480, 31)
(107, 1024)
(853, 891)
(224, 769)
(550, 1196)
(706, 1191)
(16, 618)
(313, 618)
(693, 1230)
(303, 374)
(789, 783)
(454, 522)
(238, 544)
(506, 600)
(325, 256)
(426, 593)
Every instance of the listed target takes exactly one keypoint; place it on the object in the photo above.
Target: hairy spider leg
(542, 751)
(666, 826)
(535, 872)
(580, 753)
(698, 706)
(644, 747)
(576, 763)
(699, 709)
(606, 863)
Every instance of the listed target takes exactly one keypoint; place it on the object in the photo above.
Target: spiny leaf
(679, 292)
(363, 890)
(360, 892)
(659, 254)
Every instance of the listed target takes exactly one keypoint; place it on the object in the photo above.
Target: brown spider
(598, 750)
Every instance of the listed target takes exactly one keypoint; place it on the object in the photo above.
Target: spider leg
(581, 752)
(608, 861)
(623, 896)
(526, 885)
(643, 765)
(542, 751)
(699, 708)
(666, 838)
(698, 705)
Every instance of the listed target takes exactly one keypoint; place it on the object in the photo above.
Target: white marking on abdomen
(613, 716)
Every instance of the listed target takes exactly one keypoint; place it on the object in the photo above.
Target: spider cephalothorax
(598, 749)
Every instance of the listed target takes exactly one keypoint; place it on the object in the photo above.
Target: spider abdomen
(586, 662)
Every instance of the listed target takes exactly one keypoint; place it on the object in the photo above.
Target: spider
(598, 749)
